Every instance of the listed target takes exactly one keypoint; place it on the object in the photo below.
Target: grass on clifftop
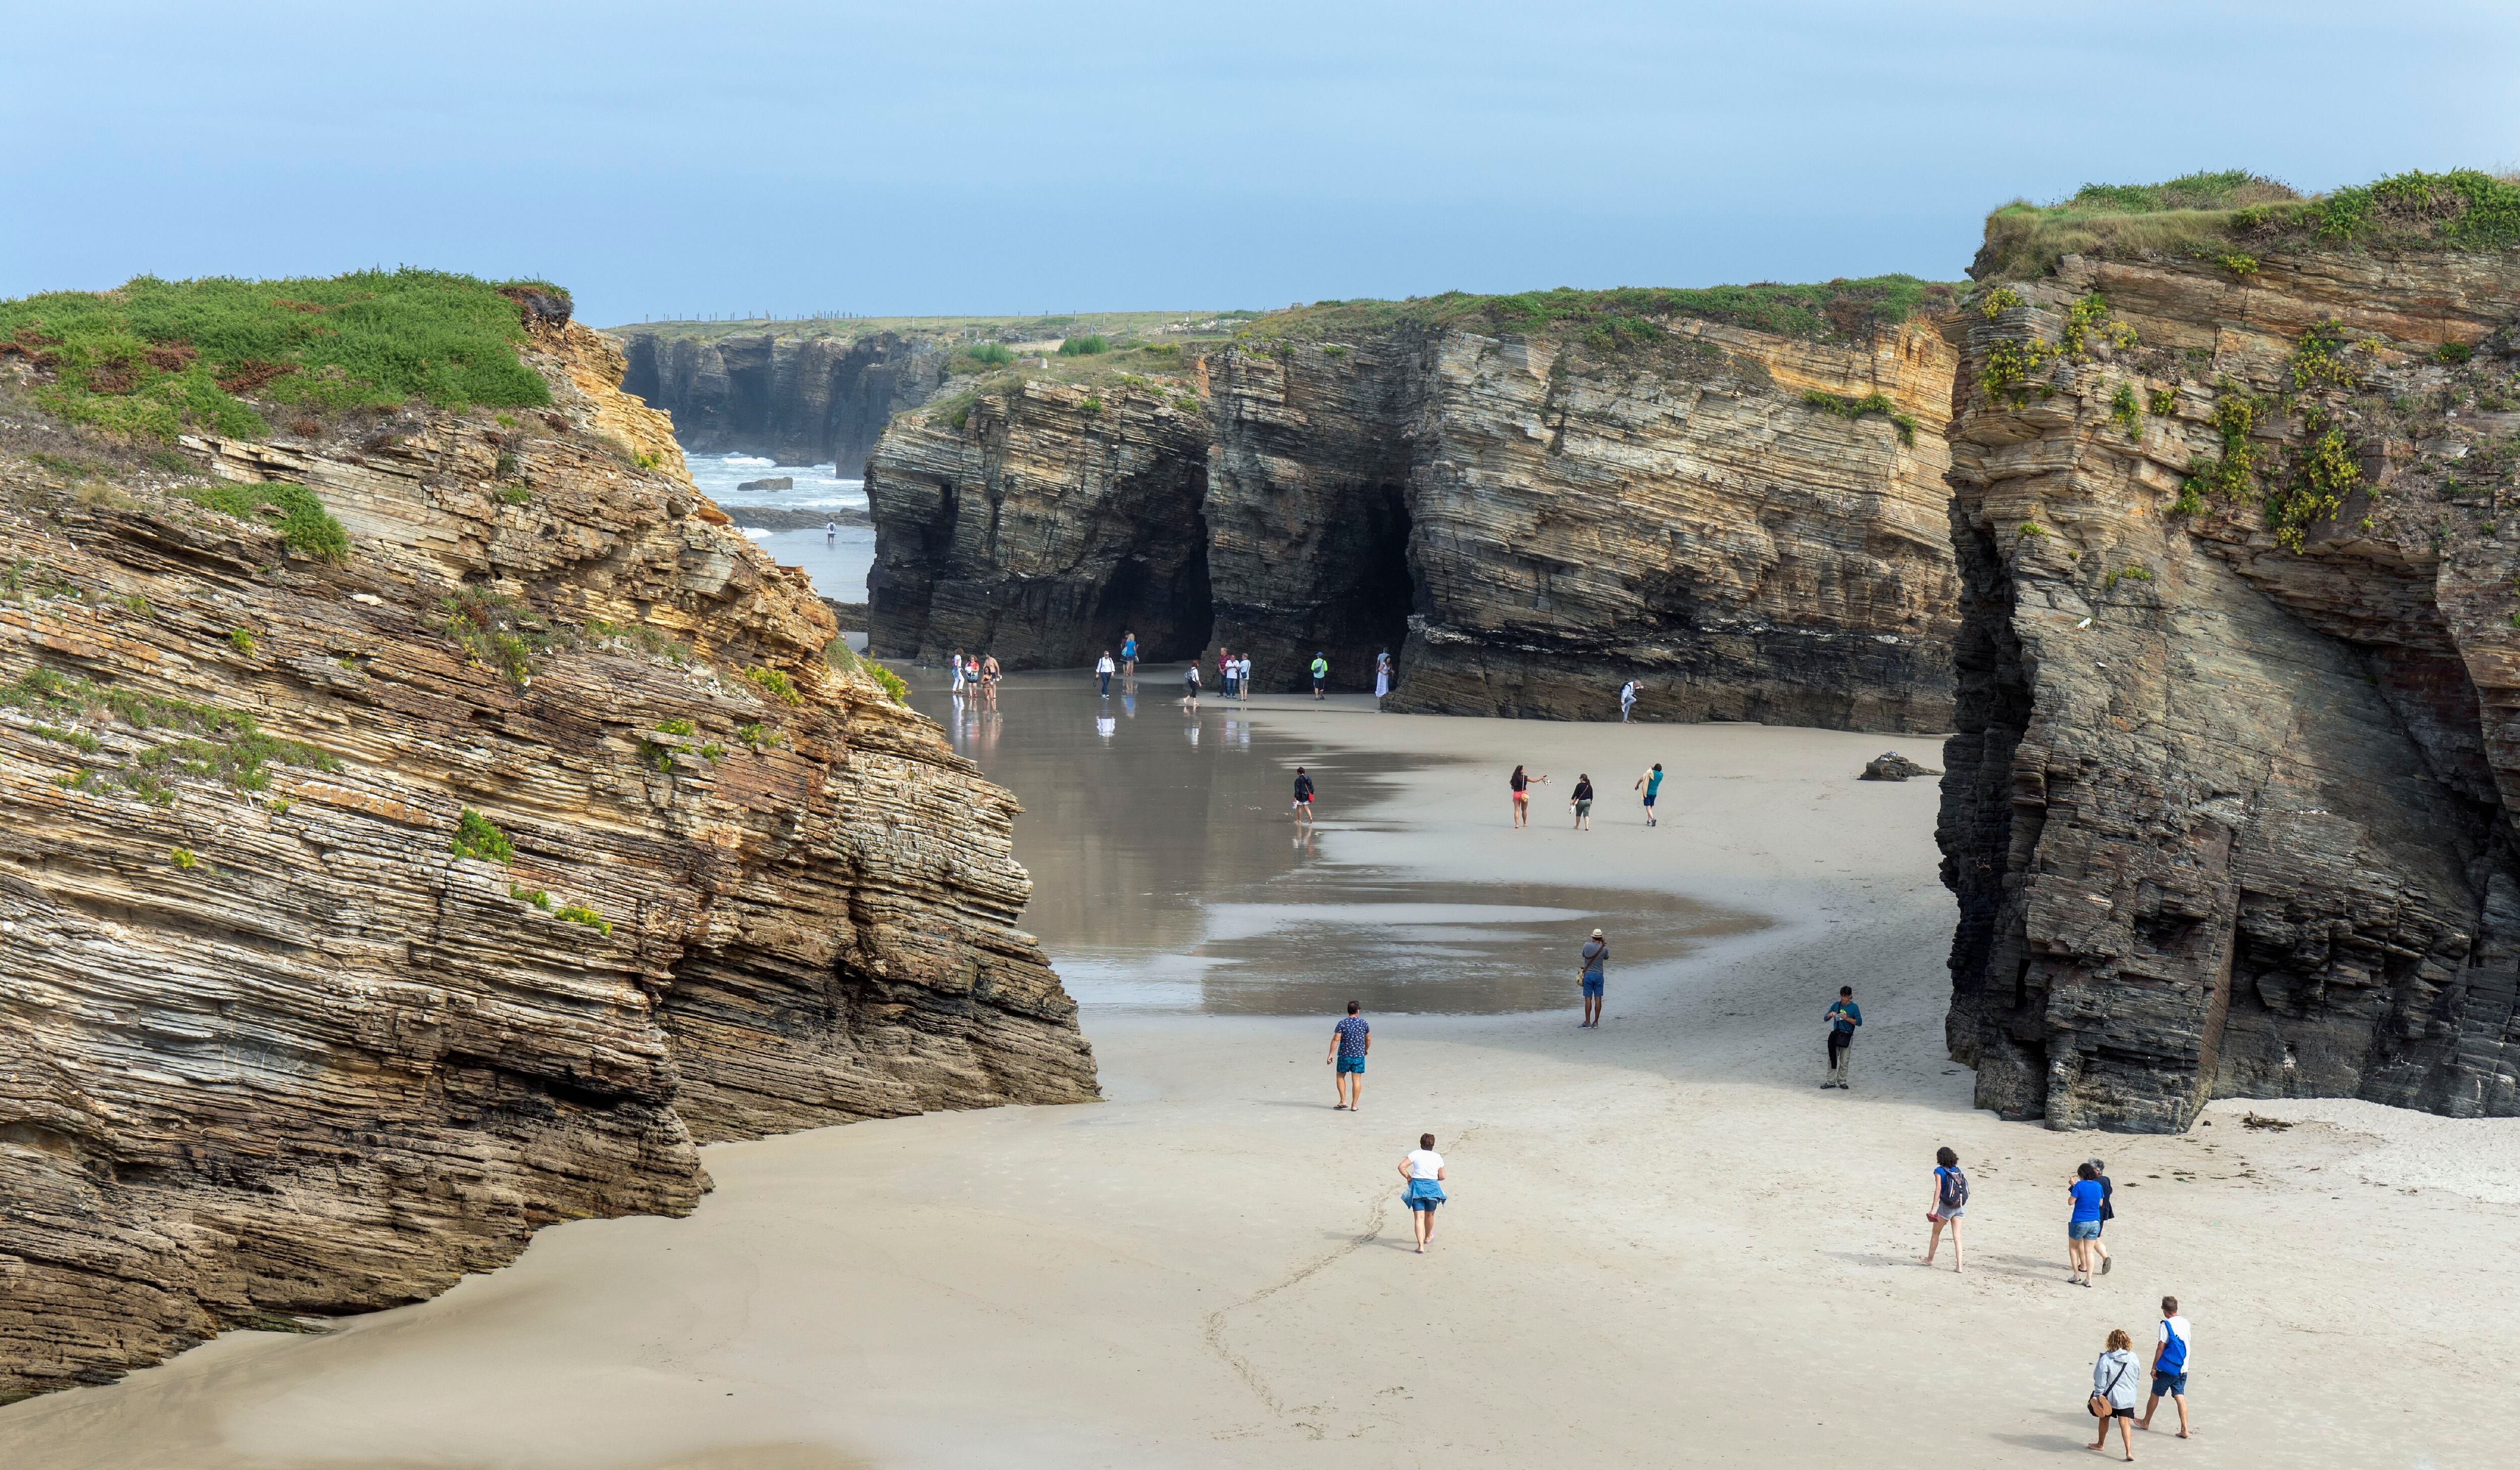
(1841, 311)
(153, 359)
(2213, 216)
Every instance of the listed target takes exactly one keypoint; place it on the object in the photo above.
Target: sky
(981, 156)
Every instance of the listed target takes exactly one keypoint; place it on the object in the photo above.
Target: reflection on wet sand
(1168, 872)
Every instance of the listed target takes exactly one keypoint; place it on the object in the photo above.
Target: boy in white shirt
(2169, 1367)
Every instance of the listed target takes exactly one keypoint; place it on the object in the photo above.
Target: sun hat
(1596, 934)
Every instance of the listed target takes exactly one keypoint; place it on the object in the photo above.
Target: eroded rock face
(798, 400)
(1038, 529)
(1529, 524)
(2228, 811)
(267, 1046)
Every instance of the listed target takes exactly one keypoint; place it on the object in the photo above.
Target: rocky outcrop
(798, 400)
(358, 917)
(1751, 524)
(2228, 811)
(1531, 521)
(1039, 522)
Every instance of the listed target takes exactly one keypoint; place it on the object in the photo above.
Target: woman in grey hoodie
(2113, 1384)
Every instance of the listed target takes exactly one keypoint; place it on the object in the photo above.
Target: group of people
(982, 673)
(2089, 1207)
(1232, 672)
(1580, 801)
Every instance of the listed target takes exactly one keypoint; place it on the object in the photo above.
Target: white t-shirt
(1425, 1163)
(1107, 665)
(2161, 1334)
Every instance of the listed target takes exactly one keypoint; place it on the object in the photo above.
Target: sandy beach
(1667, 1245)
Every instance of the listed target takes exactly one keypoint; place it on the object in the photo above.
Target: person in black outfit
(1583, 801)
(1303, 797)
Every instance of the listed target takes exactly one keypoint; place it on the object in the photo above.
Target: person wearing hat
(1596, 951)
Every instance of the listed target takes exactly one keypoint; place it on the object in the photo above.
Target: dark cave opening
(1372, 588)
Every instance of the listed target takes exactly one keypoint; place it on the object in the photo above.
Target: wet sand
(1666, 1245)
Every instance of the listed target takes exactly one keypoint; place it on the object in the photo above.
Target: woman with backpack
(1950, 1202)
(2113, 1391)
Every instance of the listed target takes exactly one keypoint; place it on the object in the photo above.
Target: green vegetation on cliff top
(2211, 216)
(153, 357)
(1841, 311)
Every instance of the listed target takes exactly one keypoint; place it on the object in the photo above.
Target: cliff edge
(423, 822)
(2228, 811)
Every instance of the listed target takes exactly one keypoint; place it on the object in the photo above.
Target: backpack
(1954, 1188)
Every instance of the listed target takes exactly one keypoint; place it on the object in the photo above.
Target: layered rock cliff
(362, 911)
(797, 400)
(1040, 523)
(2229, 809)
(1748, 521)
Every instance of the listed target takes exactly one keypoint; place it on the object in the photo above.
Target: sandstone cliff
(797, 400)
(2229, 809)
(361, 913)
(1039, 522)
(1525, 512)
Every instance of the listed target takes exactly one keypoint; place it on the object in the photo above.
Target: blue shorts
(1351, 1064)
(1591, 988)
(2170, 1384)
(1650, 801)
(1426, 1194)
(2082, 1229)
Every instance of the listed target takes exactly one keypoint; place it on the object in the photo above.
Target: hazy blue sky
(993, 156)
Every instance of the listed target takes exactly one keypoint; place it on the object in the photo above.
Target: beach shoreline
(1666, 1242)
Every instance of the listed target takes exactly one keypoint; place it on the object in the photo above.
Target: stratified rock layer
(798, 400)
(1041, 527)
(267, 1046)
(1530, 523)
(2225, 818)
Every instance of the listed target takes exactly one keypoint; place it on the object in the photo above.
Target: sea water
(837, 564)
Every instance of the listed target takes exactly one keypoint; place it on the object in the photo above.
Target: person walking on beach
(1320, 674)
(1128, 653)
(2169, 1367)
(2108, 1212)
(1521, 786)
(1583, 803)
(2083, 1225)
(1381, 674)
(1303, 797)
(1424, 1171)
(1595, 956)
(1104, 669)
(1350, 1040)
(1842, 1018)
(1950, 1202)
(1651, 783)
(1627, 699)
(1189, 684)
(2113, 1391)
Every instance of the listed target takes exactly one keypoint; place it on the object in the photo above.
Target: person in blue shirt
(1128, 655)
(2085, 1225)
(1350, 1040)
(1651, 783)
(1843, 1017)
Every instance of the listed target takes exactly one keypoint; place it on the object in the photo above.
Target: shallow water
(1169, 875)
(837, 564)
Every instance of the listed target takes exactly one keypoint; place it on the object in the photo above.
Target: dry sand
(1667, 1245)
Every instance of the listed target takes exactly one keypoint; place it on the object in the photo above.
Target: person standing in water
(1350, 1040)
(1627, 699)
(2082, 1228)
(1189, 684)
(1381, 674)
(1843, 1017)
(1104, 669)
(1596, 956)
(2169, 1367)
(1128, 653)
(1522, 785)
(957, 671)
(1320, 674)
(1651, 783)
(1583, 803)
(1949, 1201)
(830, 533)
(1303, 797)
(1424, 1173)
(2113, 1391)
(989, 676)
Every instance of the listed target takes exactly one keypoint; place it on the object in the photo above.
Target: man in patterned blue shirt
(1350, 1040)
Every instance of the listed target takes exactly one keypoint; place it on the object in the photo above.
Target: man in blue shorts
(2169, 1367)
(1350, 1040)
(1596, 954)
(1651, 783)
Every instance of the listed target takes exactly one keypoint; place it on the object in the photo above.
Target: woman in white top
(958, 670)
(1242, 677)
(1383, 673)
(1423, 1169)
